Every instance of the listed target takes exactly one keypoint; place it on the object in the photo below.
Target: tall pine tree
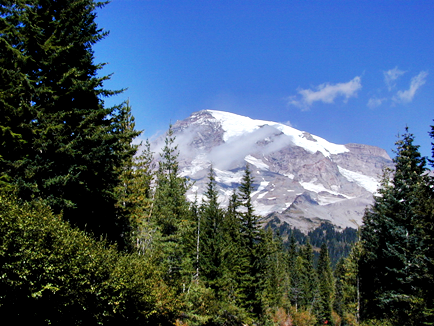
(212, 237)
(393, 262)
(61, 144)
(171, 215)
(250, 239)
(325, 286)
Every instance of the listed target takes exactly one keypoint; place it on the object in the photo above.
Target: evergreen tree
(310, 285)
(350, 282)
(233, 261)
(273, 270)
(292, 252)
(393, 263)
(61, 144)
(213, 244)
(250, 236)
(170, 204)
(298, 287)
(172, 216)
(325, 287)
(339, 276)
(428, 234)
(134, 194)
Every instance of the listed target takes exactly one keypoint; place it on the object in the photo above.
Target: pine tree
(348, 286)
(213, 244)
(172, 216)
(61, 144)
(134, 193)
(428, 233)
(392, 265)
(273, 272)
(325, 287)
(292, 252)
(339, 275)
(298, 287)
(250, 238)
(233, 257)
(15, 87)
(170, 202)
(310, 285)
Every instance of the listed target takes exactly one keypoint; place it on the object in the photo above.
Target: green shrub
(53, 274)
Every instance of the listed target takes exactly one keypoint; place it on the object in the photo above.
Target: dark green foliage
(170, 204)
(54, 274)
(274, 282)
(393, 265)
(325, 287)
(339, 276)
(310, 287)
(171, 215)
(134, 193)
(428, 233)
(213, 241)
(250, 239)
(298, 281)
(339, 242)
(61, 144)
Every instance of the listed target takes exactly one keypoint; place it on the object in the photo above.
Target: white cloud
(391, 76)
(415, 84)
(374, 102)
(326, 93)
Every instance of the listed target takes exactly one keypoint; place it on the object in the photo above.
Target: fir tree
(310, 285)
(213, 244)
(339, 276)
(61, 144)
(351, 285)
(250, 238)
(172, 216)
(325, 287)
(233, 261)
(298, 288)
(392, 265)
(273, 270)
(170, 202)
(134, 193)
(427, 226)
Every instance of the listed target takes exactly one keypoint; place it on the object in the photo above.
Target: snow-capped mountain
(300, 178)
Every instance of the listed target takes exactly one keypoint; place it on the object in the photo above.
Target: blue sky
(347, 71)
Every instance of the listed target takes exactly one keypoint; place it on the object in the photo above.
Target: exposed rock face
(300, 178)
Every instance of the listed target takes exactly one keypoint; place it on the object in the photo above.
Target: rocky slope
(300, 179)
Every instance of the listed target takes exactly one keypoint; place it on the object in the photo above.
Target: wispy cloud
(326, 93)
(374, 102)
(391, 76)
(415, 83)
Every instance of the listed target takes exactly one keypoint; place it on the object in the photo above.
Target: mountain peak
(288, 165)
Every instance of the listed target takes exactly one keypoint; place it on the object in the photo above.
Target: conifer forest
(97, 231)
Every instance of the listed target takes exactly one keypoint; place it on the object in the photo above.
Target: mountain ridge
(300, 178)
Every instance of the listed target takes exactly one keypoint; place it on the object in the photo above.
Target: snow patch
(264, 210)
(197, 165)
(320, 188)
(369, 183)
(256, 162)
(228, 177)
(261, 187)
(236, 125)
(260, 196)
